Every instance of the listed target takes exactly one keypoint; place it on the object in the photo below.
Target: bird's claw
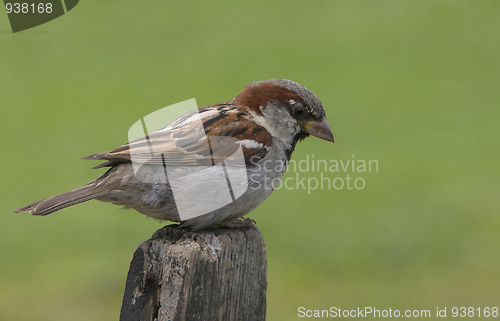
(239, 223)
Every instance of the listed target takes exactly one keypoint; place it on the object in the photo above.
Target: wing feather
(182, 143)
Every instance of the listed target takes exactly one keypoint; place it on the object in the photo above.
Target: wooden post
(214, 274)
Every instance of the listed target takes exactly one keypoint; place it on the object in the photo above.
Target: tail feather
(58, 202)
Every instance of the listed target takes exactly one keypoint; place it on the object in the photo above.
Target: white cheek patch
(278, 123)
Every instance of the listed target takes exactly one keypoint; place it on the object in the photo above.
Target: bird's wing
(193, 143)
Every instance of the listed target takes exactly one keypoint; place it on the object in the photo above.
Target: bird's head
(286, 109)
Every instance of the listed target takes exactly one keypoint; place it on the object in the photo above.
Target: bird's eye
(298, 109)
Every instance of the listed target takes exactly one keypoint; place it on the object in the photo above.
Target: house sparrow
(181, 166)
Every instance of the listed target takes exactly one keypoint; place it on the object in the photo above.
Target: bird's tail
(58, 202)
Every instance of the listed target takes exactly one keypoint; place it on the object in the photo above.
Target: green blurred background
(412, 84)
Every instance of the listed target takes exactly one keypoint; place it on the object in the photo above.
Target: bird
(209, 167)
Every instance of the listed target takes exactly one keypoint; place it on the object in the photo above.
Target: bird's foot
(239, 223)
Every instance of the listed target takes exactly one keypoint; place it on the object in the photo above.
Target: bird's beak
(319, 129)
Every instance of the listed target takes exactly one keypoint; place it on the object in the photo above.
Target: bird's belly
(197, 196)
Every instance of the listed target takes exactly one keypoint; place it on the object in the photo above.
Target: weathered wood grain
(214, 274)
